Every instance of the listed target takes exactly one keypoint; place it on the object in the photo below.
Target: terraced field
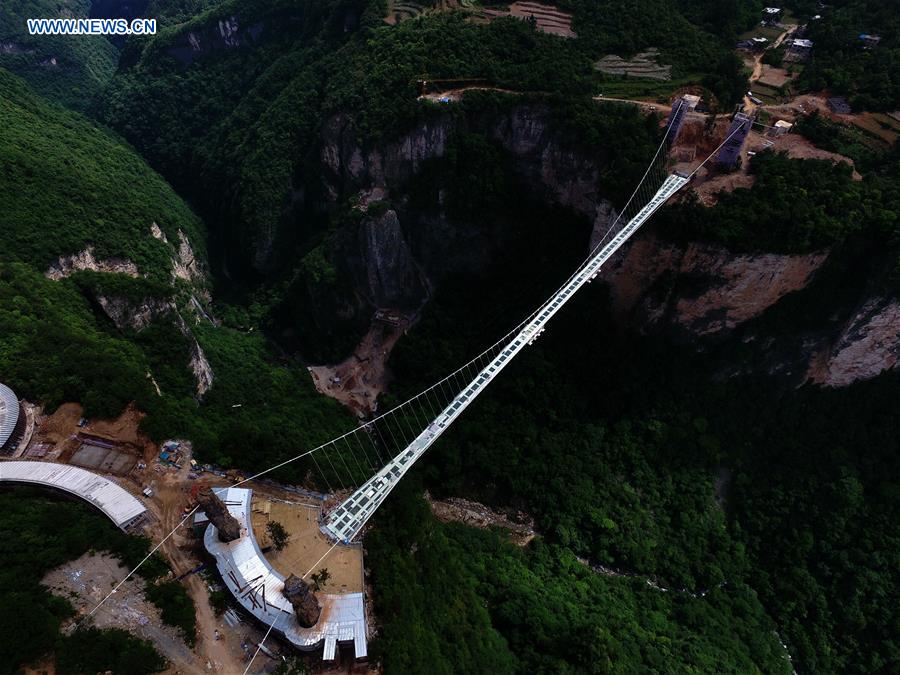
(645, 64)
(402, 10)
(548, 18)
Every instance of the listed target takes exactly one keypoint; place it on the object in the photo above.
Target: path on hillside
(750, 106)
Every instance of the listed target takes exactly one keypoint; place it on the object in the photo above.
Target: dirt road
(750, 106)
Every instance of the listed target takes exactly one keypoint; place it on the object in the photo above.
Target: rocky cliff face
(65, 265)
(130, 314)
(701, 289)
(696, 293)
(394, 259)
(225, 33)
(705, 295)
(868, 345)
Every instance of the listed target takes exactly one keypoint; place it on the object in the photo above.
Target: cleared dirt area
(359, 380)
(518, 523)
(448, 95)
(85, 581)
(798, 147)
(774, 77)
(307, 545)
(108, 446)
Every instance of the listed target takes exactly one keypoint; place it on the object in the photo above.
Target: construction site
(149, 489)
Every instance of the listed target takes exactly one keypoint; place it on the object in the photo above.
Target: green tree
(278, 534)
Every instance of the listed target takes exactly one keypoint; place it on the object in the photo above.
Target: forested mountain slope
(703, 504)
(103, 268)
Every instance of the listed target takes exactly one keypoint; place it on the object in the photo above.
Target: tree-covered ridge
(68, 69)
(460, 600)
(840, 61)
(797, 206)
(37, 534)
(68, 184)
(238, 129)
(635, 454)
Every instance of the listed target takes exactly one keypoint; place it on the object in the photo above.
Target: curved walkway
(120, 506)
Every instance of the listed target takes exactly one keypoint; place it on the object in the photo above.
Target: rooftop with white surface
(9, 413)
(257, 586)
(118, 504)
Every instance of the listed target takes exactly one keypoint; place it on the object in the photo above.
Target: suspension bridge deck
(345, 522)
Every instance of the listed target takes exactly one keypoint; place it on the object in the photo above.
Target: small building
(756, 44)
(799, 50)
(869, 41)
(839, 105)
(780, 128)
(771, 15)
(691, 101)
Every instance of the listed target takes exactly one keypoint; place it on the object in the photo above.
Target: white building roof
(9, 413)
(119, 505)
(783, 124)
(257, 586)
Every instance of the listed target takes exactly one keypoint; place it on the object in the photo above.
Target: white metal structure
(9, 413)
(120, 506)
(257, 586)
(345, 522)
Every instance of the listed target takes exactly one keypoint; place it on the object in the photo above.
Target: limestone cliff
(692, 292)
(701, 289)
(136, 314)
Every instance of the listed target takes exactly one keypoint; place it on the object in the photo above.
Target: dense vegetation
(688, 523)
(796, 206)
(54, 348)
(239, 129)
(615, 452)
(460, 600)
(114, 650)
(68, 184)
(840, 61)
(69, 69)
(37, 534)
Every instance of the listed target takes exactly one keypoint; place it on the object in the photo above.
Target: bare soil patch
(86, 581)
(359, 380)
(306, 546)
(799, 147)
(776, 78)
(455, 509)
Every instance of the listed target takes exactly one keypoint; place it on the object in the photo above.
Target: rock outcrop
(304, 602)
(701, 289)
(868, 345)
(389, 274)
(229, 528)
(696, 293)
(129, 314)
(223, 33)
(65, 265)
